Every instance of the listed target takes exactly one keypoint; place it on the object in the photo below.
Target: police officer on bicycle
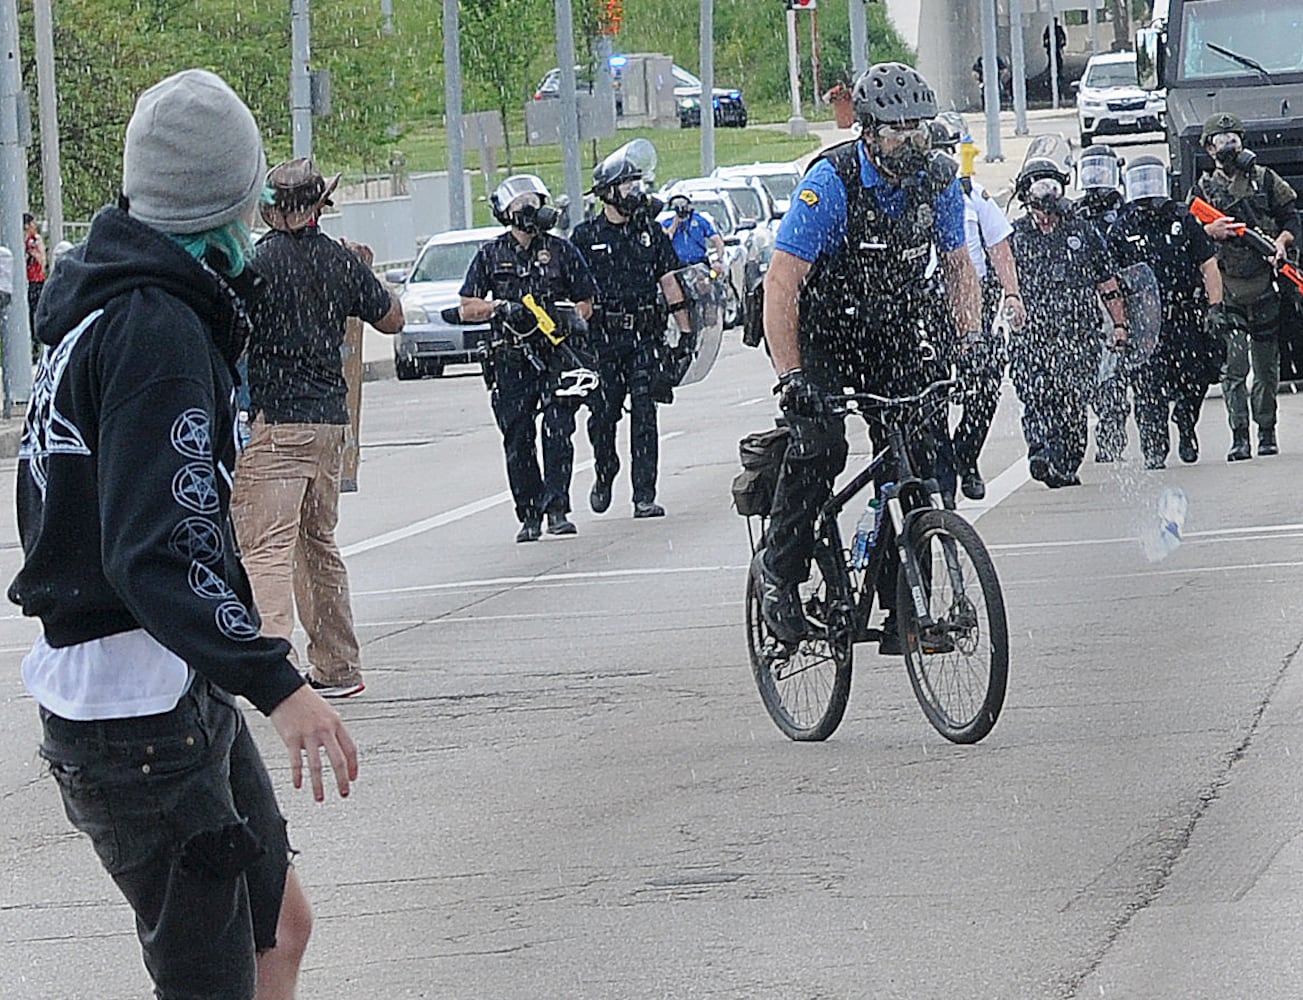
(631, 259)
(846, 305)
(527, 369)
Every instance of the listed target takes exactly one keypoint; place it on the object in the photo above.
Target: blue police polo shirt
(815, 224)
(691, 239)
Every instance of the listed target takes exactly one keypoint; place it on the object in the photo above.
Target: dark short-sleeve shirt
(1058, 273)
(550, 268)
(627, 259)
(313, 284)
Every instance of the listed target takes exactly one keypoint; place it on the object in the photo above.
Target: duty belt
(624, 319)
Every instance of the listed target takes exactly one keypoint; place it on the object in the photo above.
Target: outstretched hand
(307, 725)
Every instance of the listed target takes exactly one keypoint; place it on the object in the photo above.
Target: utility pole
(1053, 53)
(300, 78)
(457, 217)
(797, 124)
(817, 97)
(387, 12)
(991, 82)
(859, 39)
(13, 202)
(1018, 60)
(565, 52)
(47, 101)
(707, 87)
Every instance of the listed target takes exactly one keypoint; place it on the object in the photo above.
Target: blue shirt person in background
(847, 305)
(692, 233)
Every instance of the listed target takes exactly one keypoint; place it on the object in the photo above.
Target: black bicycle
(949, 607)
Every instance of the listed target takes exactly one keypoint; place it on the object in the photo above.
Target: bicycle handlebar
(851, 402)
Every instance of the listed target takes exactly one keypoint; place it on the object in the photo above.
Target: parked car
(779, 181)
(1110, 101)
(426, 343)
(730, 110)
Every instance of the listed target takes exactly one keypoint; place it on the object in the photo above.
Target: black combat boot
(1239, 445)
(1267, 441)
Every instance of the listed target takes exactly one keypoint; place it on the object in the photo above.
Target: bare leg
(278, 969)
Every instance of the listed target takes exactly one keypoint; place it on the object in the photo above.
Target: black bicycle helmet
(891, 93)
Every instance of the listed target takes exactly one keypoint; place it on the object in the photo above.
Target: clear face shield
(1098, 173)
(1146, 182)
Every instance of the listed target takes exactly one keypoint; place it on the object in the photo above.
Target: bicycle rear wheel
(958, 666)
(805, 688)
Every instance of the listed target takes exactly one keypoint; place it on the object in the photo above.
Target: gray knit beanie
(193, 158)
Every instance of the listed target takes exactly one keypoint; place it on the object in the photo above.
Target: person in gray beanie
(148, 624)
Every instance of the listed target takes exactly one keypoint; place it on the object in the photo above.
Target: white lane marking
(753, 402)
(513, 581)
(998, 490)
(449, 516)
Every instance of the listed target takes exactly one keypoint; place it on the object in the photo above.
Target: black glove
(1215, 321)
(515, 317)
(799, 397)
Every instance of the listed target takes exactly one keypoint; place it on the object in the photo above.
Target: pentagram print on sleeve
(193, 488)
(190, 434)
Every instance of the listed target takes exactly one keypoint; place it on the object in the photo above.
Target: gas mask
(1228, 150)
(682, 207)
(531, 218)
(627, 197)
(901, 150)
(1045, 194)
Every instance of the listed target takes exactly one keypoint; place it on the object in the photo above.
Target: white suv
(1110, 101)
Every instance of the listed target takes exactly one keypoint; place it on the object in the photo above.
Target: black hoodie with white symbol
(126, 461)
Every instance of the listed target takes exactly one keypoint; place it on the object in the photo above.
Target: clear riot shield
(1051, 146)
(1144, 308)
(690, 356)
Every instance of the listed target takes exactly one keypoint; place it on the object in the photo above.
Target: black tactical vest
(1235, 257)
(623, 258)
(1162, 240)
(864, 302)
(516, 271)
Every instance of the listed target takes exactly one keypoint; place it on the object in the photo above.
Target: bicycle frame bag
(762, 459)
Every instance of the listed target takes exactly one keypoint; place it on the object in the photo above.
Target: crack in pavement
(1173, 844)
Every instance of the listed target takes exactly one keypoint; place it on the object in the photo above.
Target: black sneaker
(973, 485)
(531, 530)
(334, 690)
(1188, 448)
(889, 638)
(559, 524)
(780, 604)
(599, 498)
(648, 509)
(1039, 468)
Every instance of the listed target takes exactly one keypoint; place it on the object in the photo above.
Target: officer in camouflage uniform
(525, 368)
(1255, 196)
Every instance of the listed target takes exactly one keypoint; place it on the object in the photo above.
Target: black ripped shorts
(182, 814)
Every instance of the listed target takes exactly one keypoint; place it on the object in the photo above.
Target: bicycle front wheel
(959, 664)
(805, 688)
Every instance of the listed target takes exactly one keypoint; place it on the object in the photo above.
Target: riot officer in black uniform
(1062, 262)
(1100, 179)
(1256, 196)
(847, 304)
(1162, 233)
(536, 360)
(631, 259)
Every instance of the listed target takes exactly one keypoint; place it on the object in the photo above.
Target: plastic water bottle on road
(1161, 534)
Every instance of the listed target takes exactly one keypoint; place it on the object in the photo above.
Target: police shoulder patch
(809, 197)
